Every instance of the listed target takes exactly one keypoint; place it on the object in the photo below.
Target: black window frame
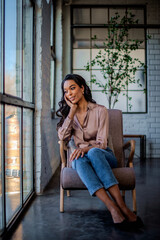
(145, 26)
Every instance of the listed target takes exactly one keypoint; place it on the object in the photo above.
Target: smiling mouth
(72, 99)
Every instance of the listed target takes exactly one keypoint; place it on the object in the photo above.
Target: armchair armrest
(131, 144)
(63, 148)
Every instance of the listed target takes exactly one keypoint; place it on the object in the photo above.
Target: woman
(92, 159)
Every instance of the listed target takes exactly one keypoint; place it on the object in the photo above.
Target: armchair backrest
(116, 133)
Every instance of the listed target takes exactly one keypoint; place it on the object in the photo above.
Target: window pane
(81, 33)
(137, 34)
(81, 16)
(100, 44)
(99, 15)
(84, 74)
(81, 38)
(94, 54)
(100, 79)
(27, 50)
(13, 47)
(1, 213)
(139, 14)
(122, 102)
(27, 152)
(137, 101)
(113, 11)
(81, 44)
(153, 16)
(1, 47)
(142, 80)
(100, 98)
(140, 54)
(101, 34)
(80, 58)
(12, 159)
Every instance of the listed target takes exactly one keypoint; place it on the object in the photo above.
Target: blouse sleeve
(64, 132)
(103, 129)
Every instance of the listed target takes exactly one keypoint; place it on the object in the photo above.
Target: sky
(10, 36)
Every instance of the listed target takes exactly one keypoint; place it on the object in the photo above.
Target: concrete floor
(86, 217)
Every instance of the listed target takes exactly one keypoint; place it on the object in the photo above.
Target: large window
(90, 21)
(16, 109)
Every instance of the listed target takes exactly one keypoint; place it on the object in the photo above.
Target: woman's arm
(79, 152)
(64, 132)
(102, 135)
(103, 128)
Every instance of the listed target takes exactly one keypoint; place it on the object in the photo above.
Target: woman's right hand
(69, 103)
(73, 107)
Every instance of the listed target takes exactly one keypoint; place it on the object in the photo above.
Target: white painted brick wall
(38, 97)
(47, 157)
(149, 124)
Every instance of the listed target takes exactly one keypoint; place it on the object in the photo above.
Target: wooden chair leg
(68, 193)
(134, 201)
(61, 199)
(123, 195)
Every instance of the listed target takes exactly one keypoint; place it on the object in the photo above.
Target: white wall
(47, 157)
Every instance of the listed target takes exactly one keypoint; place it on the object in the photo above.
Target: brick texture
(149, 124)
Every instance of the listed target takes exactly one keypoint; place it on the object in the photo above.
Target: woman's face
(72, 91)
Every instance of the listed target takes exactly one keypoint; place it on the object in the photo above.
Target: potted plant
(117, 65)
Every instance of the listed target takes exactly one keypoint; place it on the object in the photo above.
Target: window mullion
(3, 169)
(21, 121)
(3, 122)
(22, 51)
(21, 157)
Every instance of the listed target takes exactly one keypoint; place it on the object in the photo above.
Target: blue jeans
(95, 169)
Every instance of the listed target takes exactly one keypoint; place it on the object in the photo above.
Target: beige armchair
(69, 179)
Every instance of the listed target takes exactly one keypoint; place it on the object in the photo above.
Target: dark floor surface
(86, 218)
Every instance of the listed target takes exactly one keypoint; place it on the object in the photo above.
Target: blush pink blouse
(94, 131)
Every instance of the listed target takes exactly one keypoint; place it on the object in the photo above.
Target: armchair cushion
(125, 176)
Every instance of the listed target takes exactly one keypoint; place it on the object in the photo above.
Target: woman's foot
(130, 223)
(119, 220)
(130, 216)
(117, 216)
(138, 223)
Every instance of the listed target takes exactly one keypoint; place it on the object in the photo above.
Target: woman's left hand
(79, 152)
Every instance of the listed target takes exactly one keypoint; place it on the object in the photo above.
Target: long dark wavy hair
(63, 110)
